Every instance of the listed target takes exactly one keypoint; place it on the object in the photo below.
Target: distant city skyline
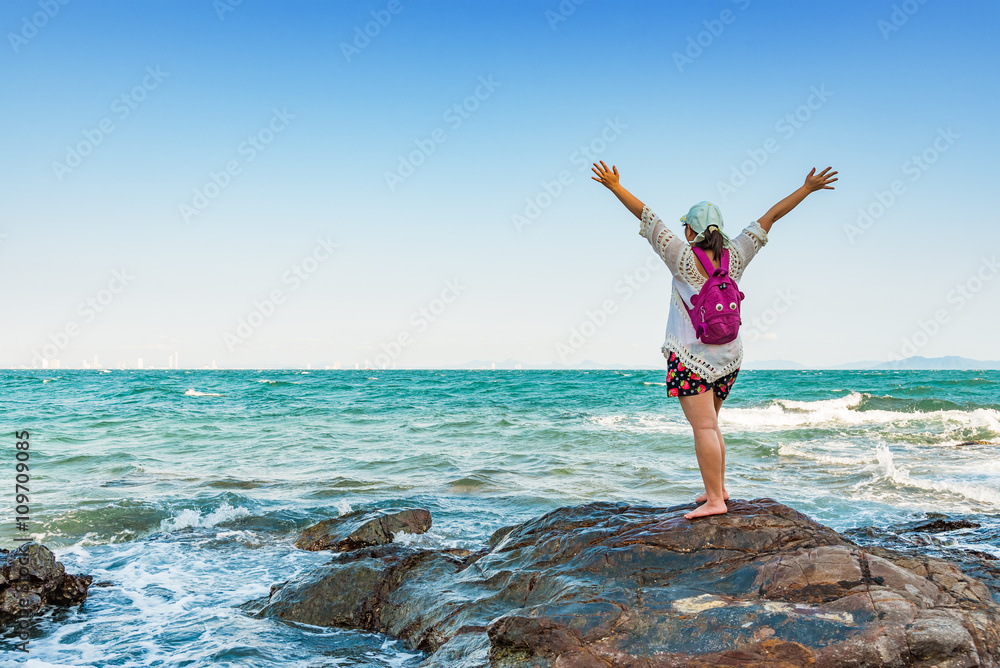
(272, 185)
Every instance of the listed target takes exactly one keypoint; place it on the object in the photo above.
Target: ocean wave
(849, 411)
(642, 423)
(192, 517)
(901, 476)
(950, 425)
(191, 392)
(343, 506)
(790, 450)
(916, 405)
(430, 539)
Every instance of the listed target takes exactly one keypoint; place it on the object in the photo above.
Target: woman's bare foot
(704, 496)
(708, 509)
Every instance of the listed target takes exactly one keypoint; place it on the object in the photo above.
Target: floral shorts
(683, 382)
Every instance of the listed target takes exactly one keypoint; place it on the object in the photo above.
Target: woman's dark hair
(713, 241)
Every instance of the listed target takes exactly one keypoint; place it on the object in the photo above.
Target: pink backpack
(715, 311)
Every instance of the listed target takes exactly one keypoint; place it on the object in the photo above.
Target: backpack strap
(707, 263)
(710, 269)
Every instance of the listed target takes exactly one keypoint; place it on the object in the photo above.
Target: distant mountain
(950, 362)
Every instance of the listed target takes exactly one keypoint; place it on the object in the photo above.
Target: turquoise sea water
(186, 489)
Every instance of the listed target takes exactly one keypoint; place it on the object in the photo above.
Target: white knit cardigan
(709, 361)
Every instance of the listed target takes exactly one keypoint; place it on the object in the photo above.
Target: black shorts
(683, 382)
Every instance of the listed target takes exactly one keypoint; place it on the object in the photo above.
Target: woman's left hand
(819, 181)
(605, 176)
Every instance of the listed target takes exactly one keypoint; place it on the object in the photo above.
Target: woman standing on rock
(699, 373)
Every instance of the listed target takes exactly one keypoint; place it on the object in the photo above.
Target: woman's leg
(700, 411)
(722, 447)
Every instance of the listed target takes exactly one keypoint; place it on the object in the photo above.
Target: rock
(362, 528)
(938, 526)
(31, 578)
(901, 539)
(609, 584)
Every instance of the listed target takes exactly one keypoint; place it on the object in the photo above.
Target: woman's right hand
(819, 181)
(605, 176)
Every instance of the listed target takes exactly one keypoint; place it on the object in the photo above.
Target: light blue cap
(702, 216)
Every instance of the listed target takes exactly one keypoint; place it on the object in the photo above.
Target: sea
(182, 492)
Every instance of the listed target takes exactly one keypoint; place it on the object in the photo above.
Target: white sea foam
(852, 400)
(642, 423)
(842, 412)
(193, 518)
(75, 550)
(195, 393)
(791, 450)
(249, 539)
(832, 413)
(343, 507)
(901, 476)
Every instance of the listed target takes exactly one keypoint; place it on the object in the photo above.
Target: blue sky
(235, 162)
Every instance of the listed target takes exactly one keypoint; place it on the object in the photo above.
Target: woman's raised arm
(813, 183)
(609, 178)
(667, 245)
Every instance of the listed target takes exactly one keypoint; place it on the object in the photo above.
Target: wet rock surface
(31, 579)
(611, 584)
(362, 528)
(957, 540)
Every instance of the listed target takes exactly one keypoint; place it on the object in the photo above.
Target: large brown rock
(362, 528)
(609, 584)
(31, 578)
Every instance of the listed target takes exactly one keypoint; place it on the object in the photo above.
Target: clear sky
(262, 183)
